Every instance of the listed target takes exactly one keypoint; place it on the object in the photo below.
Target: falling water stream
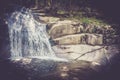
(28, 38)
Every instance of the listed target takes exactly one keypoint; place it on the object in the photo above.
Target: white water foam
(28, 38)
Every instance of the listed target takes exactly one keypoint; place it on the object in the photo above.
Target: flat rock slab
(100, 54)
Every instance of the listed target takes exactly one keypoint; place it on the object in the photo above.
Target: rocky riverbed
(37, 69)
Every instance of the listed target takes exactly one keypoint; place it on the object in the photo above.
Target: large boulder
(64, 29)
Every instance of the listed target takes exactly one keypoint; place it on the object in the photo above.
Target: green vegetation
(92, 21)
(87, 20)
(87, 17)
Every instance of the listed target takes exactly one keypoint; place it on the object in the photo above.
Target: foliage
(92, 21)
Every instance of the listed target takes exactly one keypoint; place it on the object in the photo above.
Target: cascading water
(28, 38)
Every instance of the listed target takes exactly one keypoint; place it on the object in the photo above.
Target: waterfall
(28, 38)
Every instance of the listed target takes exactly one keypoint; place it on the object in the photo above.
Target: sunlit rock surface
(100, 54)
(68, 27)
(78, 41)
(85, 38)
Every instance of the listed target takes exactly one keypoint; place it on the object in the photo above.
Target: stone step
(65, 27)
(39, 14)
(84, 38)
(38, 11)
(35, 8)
(49, 20)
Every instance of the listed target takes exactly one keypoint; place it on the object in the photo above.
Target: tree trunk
(36, 3)
(70, 7)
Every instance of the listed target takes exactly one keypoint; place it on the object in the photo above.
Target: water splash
(28, 38)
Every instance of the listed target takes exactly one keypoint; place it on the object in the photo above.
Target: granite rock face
(67, 27)
(80, 41)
